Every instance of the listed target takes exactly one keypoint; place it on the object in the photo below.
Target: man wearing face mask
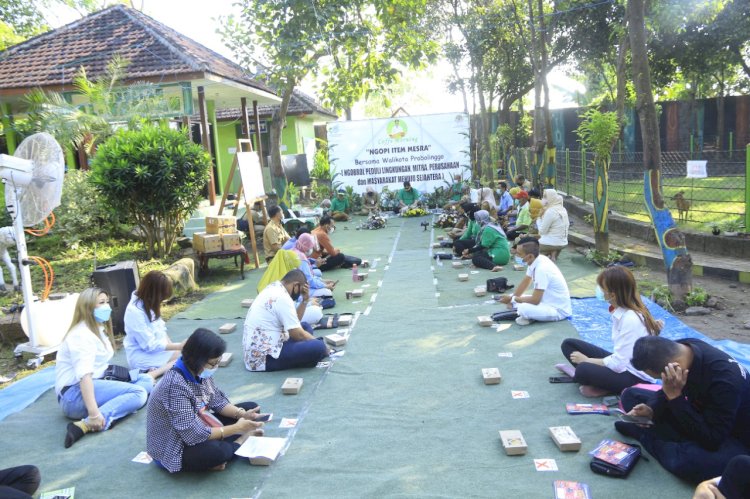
(274, 339)
(550, 300)
(331, 257)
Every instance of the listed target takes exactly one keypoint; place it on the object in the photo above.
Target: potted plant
(715, 229)
(732, 227)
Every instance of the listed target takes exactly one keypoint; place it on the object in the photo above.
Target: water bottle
(355, 273)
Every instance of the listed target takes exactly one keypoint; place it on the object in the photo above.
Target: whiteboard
(251, 175)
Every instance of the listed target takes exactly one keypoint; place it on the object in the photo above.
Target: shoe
(72, 435)
(629, 430)
(523, 321)
(566, 369)
(592, 391)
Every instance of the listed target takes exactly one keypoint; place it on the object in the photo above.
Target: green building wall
(293, 137)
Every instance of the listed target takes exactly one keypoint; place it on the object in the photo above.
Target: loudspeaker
(119, 280)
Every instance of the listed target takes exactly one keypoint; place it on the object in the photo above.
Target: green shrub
(83, 214)
(154, 177)
(697, 297)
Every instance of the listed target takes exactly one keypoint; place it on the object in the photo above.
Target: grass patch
(714, 199)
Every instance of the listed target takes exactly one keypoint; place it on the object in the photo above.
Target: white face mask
(332, 230)
(309, 252)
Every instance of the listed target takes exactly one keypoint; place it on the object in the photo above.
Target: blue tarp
(24, 392)
(591, 320)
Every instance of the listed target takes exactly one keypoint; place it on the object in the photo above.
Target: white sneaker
(523, 321)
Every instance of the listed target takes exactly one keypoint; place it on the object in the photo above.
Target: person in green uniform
(468, 239)
(340, 207)
(456, 191)
(491, 250)
(408, 198)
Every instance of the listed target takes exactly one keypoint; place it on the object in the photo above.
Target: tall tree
(285, 41)
(671, 240)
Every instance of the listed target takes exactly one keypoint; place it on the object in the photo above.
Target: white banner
(696, 169)
(425, 150)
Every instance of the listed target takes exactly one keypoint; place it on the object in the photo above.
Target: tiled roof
(301, 103)
(152, 49)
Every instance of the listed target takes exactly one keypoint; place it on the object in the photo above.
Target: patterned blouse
(268, 321)
(172, 420)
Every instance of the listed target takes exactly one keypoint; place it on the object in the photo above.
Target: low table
(203, 259)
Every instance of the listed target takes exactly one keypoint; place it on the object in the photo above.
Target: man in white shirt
(550, 300)
(274, 338)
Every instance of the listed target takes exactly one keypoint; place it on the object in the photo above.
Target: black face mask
(295, 294)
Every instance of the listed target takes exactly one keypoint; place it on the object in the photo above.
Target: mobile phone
(264, 417)
(560, 379)
(641, 420)
(611, 400)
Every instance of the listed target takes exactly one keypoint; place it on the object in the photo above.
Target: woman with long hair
(147, 344)
(598, 371)
(82, 360)
(191, 425)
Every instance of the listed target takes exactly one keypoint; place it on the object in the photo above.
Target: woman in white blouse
(147, 344)
(553, 225)
(82, 359)
(598, 371)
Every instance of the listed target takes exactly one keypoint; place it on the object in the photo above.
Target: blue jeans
(685, 458)
(116, 399)
(297, 354)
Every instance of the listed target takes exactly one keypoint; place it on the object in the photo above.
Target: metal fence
(718, 198)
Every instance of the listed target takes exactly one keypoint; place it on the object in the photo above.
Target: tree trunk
(720, 112)
(671, 240)
(278, 121)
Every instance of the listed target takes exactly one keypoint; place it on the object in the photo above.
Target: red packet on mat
(587, 409)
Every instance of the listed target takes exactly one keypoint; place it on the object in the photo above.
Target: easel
(241, 144)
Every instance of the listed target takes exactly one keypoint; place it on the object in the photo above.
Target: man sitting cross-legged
(701, 415)
(274, 339)
(550, 300)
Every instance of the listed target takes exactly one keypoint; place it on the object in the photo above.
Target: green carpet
(404, 413)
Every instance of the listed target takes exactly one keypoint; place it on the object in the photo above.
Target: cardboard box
(345, 320)
(221, 224)
(436, 245)
(463, 277)
(247, 302)
(491, 375)
(365, 264)
(231, 242)
(361, 276)
(564, 438)
(519, 267)
(227, 328)
(291, 386)
(485, 320)
(336, 340)
(226, 359)
(513, 442)
(206, 243)
(440, 238)
(357, 293)
(480, 290)
(458, 264)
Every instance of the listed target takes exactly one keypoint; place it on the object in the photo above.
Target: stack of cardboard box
(221, 235)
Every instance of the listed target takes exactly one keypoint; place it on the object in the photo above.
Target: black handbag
(508, 315)
(498, 285)
(620, 469)
(117, 373)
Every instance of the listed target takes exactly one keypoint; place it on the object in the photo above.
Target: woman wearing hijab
(304, 249)
(466, 240)
(491, 249)
(370, 202)
(487, 200)
(553, 225)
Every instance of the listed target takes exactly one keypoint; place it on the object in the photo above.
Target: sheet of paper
(545, 465)
(323, 364)
(288, 423)
(268, 447)
(143, 458)
(502, 327)
(505, 354)
(519, 394)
